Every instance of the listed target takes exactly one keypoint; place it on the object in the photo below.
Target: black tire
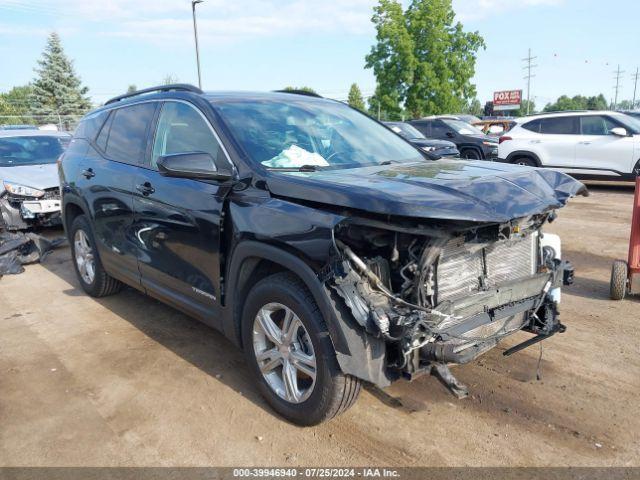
(470, 154)
(618, 288)
(334, 392)
(103, 284)
(525, 161)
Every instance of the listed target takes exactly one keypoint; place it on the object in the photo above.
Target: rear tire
(619, 271)
(86, 261)
(330, 392)
(525, 161)
(470, 154)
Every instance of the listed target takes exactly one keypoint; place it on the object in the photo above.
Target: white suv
(589, 144)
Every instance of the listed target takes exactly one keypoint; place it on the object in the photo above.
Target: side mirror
(618, 131)
(196, 165)
(451, 134)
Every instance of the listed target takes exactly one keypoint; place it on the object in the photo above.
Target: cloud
(168, 22)
(472, 10)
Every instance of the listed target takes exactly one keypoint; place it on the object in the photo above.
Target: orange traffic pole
(634, 242)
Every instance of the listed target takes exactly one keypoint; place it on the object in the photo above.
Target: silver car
(29, 185)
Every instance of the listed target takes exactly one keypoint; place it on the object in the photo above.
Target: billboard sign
(507, 100)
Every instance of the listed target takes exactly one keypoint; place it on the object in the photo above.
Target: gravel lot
(127, 381)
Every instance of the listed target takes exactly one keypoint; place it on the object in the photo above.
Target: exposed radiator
(464, 268)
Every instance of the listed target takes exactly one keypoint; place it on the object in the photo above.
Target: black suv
(472, 142)
(313, 237)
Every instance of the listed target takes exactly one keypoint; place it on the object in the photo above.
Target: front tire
(93, 279)
(290, 354)
(525, 161)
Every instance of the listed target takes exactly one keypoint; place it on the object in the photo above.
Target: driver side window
(182, 129)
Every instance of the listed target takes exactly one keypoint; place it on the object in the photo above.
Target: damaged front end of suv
(445, 294)
(455, 273)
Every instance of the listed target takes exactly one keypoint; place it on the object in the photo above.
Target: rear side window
(532, 126)
(560, 125)
(90, 125)
(423, 127)
(126, 133)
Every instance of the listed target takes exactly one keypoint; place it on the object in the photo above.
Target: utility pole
(195, 33)
(635, 87)
(618, 73)
(528, 67)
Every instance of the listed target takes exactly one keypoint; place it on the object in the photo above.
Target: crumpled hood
(445, 189)
(36, 176)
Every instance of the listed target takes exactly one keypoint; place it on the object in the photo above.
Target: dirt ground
(127, 381)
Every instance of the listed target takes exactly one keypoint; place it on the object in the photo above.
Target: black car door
(177, 220)
(107, 180)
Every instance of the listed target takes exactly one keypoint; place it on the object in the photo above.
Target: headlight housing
(22, 190)
(490, 144)
(428, 149)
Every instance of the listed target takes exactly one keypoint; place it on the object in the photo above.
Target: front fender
(358, 353)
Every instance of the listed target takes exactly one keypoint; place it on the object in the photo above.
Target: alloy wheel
(284, 352)
(84, 256)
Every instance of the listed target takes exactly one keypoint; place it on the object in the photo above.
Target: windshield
(463, 128)
(630, 123)
(310, 132)
(406, 130)
(36, 150)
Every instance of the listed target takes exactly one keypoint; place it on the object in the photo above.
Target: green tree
(300, 89)
(522, 111)
(132, 88)
(355, 98)
(578, 102)
(422, 60)
(15, 105)
(169, 79)
(474, 107)
(57, 90)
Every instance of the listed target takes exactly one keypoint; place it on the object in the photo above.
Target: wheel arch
(524, 153)
(358, 353)
(71, 208)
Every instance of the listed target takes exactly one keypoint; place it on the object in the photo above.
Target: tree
(577, 102)
(169, 79)
(57, 90)
(522, 111)
(15, 105)
(421, 59)
(300, 89)
(132, 88)
(355, 98)
(474, 107)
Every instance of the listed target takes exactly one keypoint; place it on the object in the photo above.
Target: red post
(634, 242)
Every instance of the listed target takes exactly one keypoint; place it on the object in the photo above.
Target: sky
(270, 44)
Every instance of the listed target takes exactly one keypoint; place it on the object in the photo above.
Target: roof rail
(560, 111)
(184, 87)
(300, 92)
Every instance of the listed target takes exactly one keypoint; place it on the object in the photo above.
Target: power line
(528, 67)
(618, 74)
(635, 86)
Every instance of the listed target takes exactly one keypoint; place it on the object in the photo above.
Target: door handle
(536, 141)
(584, 143)
(145, 188)
(88, 173)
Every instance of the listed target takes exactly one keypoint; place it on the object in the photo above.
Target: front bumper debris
(20, 213)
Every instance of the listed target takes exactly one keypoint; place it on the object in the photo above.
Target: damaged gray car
(327, 247)
(29, 185)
